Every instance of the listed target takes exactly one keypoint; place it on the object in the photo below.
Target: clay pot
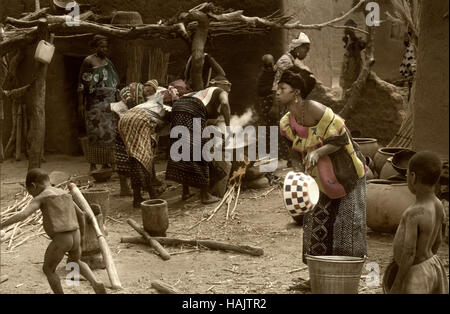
(401, 159)
(102, 175)
(89, 243)
(370, 175)
(155, 217)
(252, 174)
(383, 154)
(388, 170)
(100, 197)
(385, 203)
(368, 146)
(219, 188)
(257, 184)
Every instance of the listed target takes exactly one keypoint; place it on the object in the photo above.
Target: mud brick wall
(431, 96)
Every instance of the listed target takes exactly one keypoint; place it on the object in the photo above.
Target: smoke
(243, 120)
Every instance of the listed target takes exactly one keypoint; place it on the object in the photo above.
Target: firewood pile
(21, 232)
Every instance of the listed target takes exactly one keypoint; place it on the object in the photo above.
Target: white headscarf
(297, 42)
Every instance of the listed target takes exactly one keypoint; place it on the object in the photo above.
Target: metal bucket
(334, 274)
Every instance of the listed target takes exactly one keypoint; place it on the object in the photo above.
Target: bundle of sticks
(232, 193)
(19, 233)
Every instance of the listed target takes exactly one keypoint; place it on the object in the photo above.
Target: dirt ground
(261, 221)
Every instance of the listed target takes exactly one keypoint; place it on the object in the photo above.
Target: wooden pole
(106, 253)
(36, 134)
(211, 244)
(9, 149)
(150, 240)
(19, 131)
(3, 74)
(198, 47)
(37, 5)
(164, 287)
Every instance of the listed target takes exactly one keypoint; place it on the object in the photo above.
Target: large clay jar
(383, 154)
(155, 217)
(385, 203)
(368, 146)
(100, 197)
(388, 170)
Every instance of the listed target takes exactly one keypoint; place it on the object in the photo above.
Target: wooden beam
(198, 48)
(3, 74)
(36, 15)
(36, 134)
(357, 88)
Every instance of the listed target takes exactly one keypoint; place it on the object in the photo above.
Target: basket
(97, 155)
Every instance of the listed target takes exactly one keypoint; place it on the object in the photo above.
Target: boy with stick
(63, 221)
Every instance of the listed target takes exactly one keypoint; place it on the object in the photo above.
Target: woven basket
(97, 155)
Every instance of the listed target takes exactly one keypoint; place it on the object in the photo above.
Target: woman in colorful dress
(137, 137)
(98, 83)
(323, 147)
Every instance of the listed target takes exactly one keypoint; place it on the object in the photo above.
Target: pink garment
(302, 131)
(332, 188)
(330, 184)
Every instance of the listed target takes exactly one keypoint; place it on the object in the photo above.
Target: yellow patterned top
(331, 129)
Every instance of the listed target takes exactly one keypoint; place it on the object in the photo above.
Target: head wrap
(152, 83)
(299, 79)
(181, 87)
(97, 39)
(297, 42)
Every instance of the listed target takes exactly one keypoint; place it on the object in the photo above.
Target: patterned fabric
(99, 90)
(101, 76)
(337, 227)
(133, 95)
(136, 129)
(192, 173)
(131, 167)
(100, 120)
(408, 66)
(330, 130)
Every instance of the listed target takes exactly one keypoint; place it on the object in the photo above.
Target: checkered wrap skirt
(191, 173)
(337, 227)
